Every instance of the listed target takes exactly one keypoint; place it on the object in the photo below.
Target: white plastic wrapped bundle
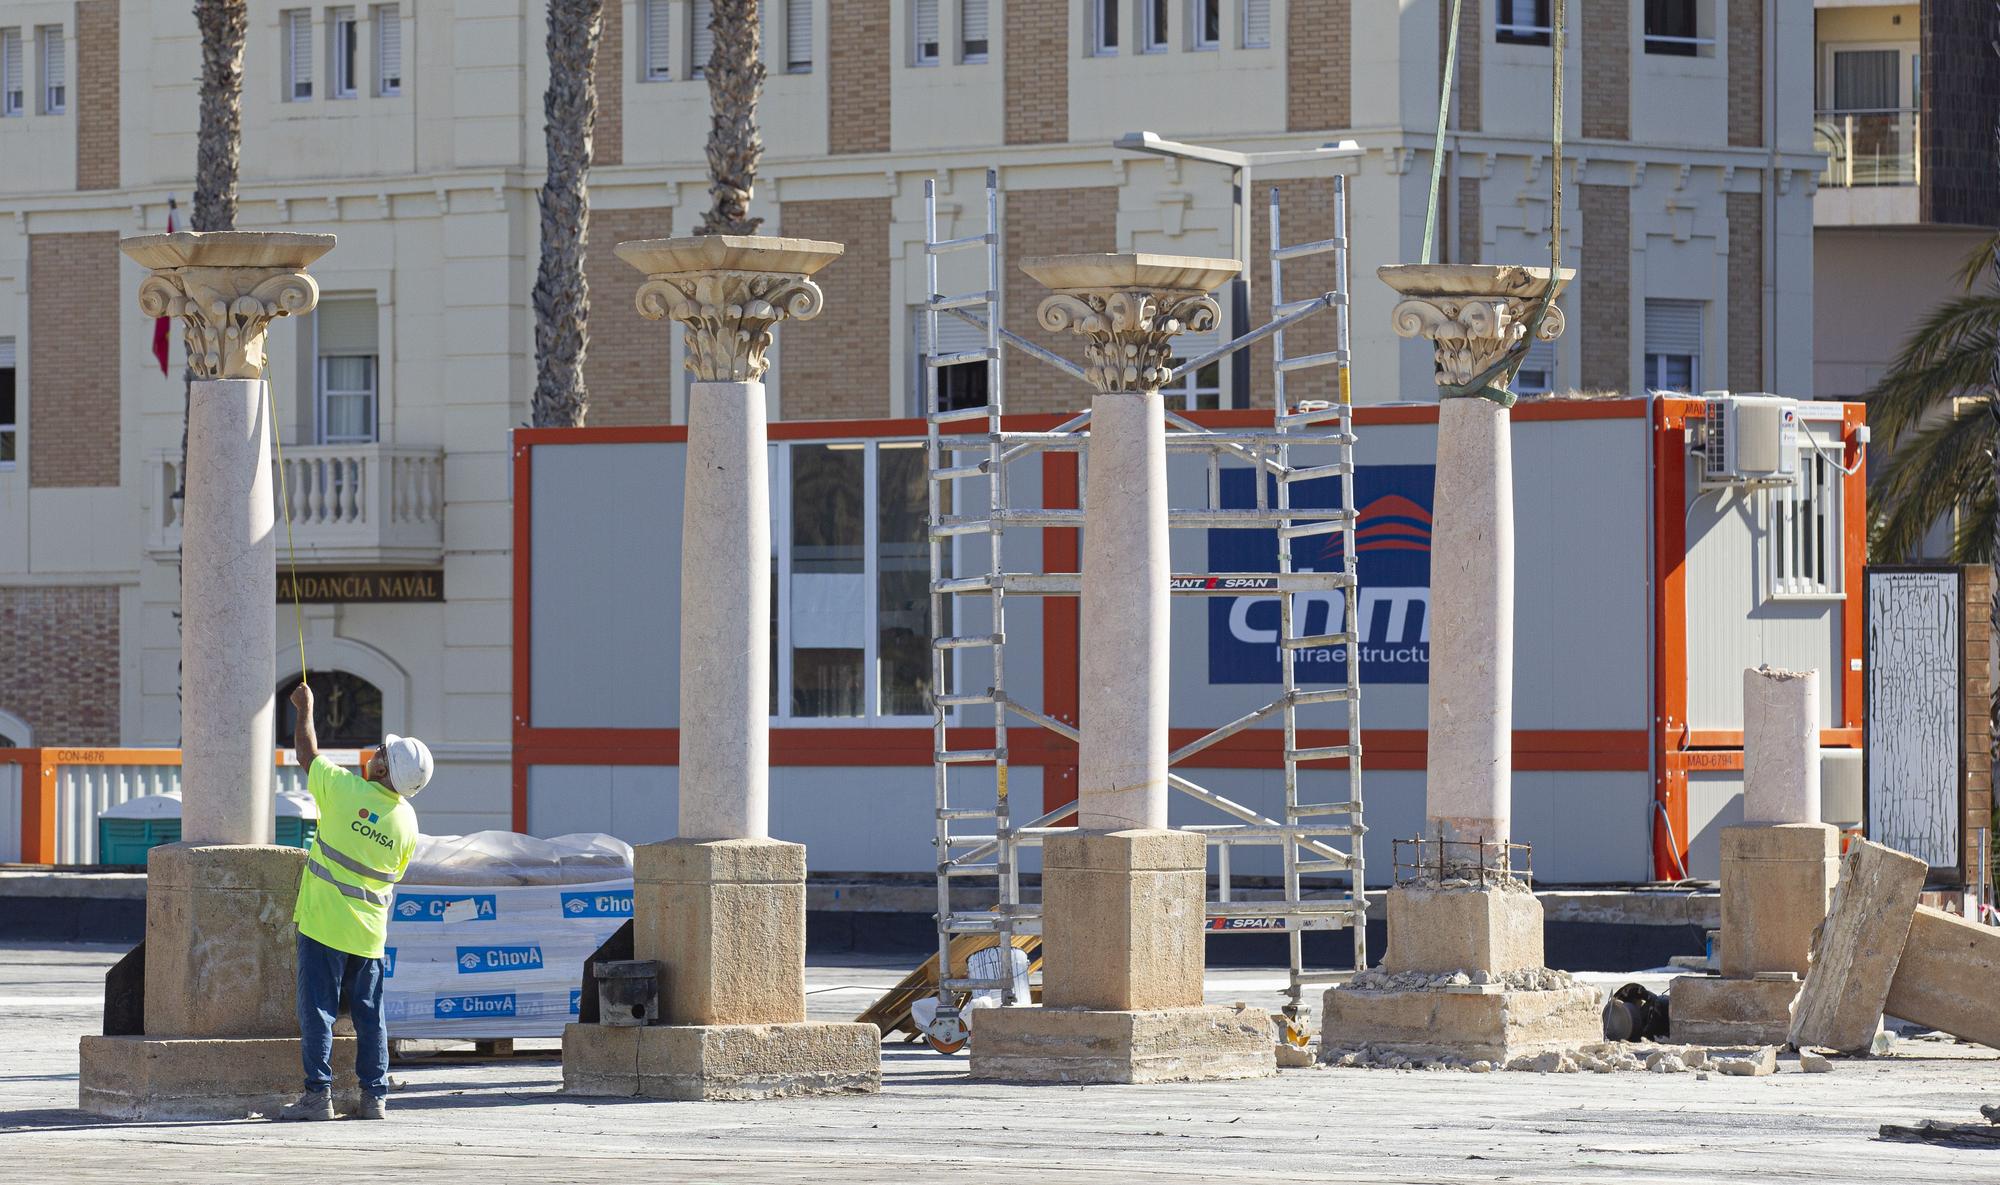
(489, 932)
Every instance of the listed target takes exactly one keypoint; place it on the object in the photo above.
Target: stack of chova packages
(489, 932)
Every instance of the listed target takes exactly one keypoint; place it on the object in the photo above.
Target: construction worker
(367, 831)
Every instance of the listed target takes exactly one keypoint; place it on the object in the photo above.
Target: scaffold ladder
(1316, 838)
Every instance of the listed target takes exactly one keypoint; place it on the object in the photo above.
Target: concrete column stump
(1123, 896)
(723, 906)
(222, 1034)
(1778, 873)
(1463, 976)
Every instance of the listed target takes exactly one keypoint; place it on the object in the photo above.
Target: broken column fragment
(1948, 977)
(1859, 947)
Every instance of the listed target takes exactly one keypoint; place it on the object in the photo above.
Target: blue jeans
(327, 977)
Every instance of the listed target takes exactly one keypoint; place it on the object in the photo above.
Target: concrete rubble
(1604, 1057)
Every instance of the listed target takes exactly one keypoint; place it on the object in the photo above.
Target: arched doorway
(347, 710)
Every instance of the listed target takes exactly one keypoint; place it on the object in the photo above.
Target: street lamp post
(1240, 166)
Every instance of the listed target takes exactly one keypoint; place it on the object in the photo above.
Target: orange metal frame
(1668, 752)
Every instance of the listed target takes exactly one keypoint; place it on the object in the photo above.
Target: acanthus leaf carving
(225, 312)
(1128, 332)
(1470, 334)
(727, 316)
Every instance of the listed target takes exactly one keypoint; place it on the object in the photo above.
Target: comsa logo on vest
(478, 960)
(598, 905)
(453, 1007)
(363, 826)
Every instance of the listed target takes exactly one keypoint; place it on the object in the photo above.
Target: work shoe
(313, 1104)
(371, 1108)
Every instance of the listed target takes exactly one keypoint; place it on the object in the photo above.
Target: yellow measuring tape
(285, 508)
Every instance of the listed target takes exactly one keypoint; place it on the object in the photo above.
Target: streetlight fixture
(1240, 165)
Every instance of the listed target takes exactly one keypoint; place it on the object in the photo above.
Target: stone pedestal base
(221, 948)
(1080, 1045)
(1711, 1011)
(1776, 879)
(201, 1077)
(721, 1062)
(728, 919)
(1473, 1023)
(1122, 919)
(1442, 930)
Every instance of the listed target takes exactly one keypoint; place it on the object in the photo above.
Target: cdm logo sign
(1393, 546)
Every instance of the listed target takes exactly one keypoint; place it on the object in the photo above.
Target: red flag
(160, 324)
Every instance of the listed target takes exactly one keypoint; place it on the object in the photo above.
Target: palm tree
(220, 140)
(562, 295)
(1940, 404)
(735, 71)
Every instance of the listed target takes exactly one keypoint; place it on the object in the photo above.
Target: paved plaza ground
(494, 1122)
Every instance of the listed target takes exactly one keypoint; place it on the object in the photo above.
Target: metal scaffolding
(1304, 442)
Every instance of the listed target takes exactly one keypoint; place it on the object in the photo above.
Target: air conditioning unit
(1750, 440)
(1840, 788)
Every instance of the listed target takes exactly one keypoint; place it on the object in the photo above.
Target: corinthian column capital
(1129, 309)
(1472, 314)
(226, 287)
(728, 292)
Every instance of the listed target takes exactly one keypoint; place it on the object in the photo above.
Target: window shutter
(927, 30)
(389, 48)
(52, 68)
(6, 353)
(10, 71)
(659, 42)
(302, 53)
(972, 28)
(1256, 24)
(954, 336)
(799, 35)
(703, 42)
(1673, 327)
(347, 327)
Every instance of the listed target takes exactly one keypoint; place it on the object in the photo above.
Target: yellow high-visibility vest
(362, 847)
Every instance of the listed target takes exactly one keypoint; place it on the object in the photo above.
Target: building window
(1805, 518)
(1104, 27)
(13, 86)
(798, 36)
(298, 55)
(924, 32)
(1256, 24)
(972, 35)
(1673, 27)
(1523, 22)
(388, 50)
(344, 331)
(853, 572)
(343, 47)
(55, 92)
(347, 711)
(958, 386)
(701, 40)
(9, 409)
(1537, 375)
(1153, 26)
(1200, 389)
(1206, 27)
(658, 63)
(1673, 346)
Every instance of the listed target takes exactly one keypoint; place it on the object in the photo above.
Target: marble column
(1123, 894)
(721, 906)
(220, 1018)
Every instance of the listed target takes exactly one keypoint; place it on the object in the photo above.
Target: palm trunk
(220, 140)
(562, 295)
(735, 71)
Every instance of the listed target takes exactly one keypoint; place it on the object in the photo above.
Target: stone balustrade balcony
(351, 504)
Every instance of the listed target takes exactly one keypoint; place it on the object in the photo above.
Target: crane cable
(1482, 385)
(285, 508)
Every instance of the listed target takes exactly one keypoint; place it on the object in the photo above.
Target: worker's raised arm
(305, 742)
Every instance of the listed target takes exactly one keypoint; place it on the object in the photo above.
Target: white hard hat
(409, 763)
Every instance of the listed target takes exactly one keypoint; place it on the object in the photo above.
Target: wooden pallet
(891, 1013)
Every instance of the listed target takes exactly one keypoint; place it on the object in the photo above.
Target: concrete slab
(1711, 1011)
(1948, 977)
(1855, 955)
(200, 1077)
(1470, 1024)
(1077, 1045)
(721, 1062)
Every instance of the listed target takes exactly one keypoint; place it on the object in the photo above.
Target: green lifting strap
(1481, 385)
